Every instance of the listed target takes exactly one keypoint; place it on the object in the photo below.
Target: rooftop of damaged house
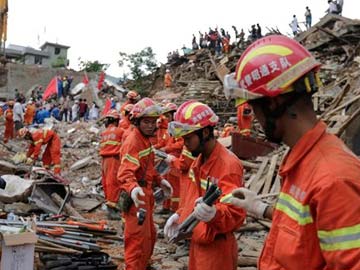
(55, 186)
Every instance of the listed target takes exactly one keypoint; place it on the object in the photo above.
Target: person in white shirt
(94, 112)
(294, 25)
(332, 8)
(18, 115)
(75, 111)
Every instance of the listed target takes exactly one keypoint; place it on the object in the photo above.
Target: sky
(99, 30)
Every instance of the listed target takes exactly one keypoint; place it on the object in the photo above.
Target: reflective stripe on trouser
(340, 239)
(109, 169)
(211, 256)
(139, 239)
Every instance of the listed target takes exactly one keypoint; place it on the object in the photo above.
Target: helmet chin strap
(202, 142)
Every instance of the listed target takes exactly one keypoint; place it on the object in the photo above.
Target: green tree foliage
(92, 66)
(60, 61)
(140, 65)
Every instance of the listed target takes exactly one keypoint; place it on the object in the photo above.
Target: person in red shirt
(213, 245)
(136, 177)
(110, 145)
(9, 122)
(52, 153)
(316, 220)
(132, 98)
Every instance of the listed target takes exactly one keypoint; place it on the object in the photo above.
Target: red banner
(51, 89)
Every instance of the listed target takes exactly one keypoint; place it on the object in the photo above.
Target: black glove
(2, 183)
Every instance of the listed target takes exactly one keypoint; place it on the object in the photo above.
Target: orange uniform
(110, 152)
(52, 154)
(213, 245)
(167, 80)
(173, 147)
(124, 123)
(9, 125)
(316, 222)
(226, 44)
(1, 111)
(29, 114)
(137, 163)
(122, 108)
(162, 133)
(244, 116)
(227, 131)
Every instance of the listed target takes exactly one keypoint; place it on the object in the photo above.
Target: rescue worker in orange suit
(9, 122)
(213, 245)
(132, 98)
(245, 118)
(29, 113)
(125, 122)
(110, 145)
(167, 79)
(228, 129)
(136, 176)
(173, 147)
(316, 220)
(39, 137)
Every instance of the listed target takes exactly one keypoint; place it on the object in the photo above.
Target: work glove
(29, 161)
(249, 201)
(135, 193)
(171, 228)
(167, 188)
(169, 159)
(203, 212)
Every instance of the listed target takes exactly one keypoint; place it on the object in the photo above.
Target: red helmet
(146, 107)
(133, 95)
(269, 67)
(191, 116)
(112, 114)
(169, 107)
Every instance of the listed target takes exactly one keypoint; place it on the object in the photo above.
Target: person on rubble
(308, 18)
(132, 98)
(173, 147)
(167, 79)
(294, 26)
(9, 122)
(52, 153)
(316, 217)
(136, 176)
(244, 118)
(110, 145)
(333, 8)
(18, 114)
(29, 113)
(213, 245)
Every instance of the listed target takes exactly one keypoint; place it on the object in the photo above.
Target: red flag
(85, 79)
(101, 80)
(107, 107)
(51, 89)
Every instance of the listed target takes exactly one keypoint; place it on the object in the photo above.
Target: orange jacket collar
(213, 156)
(302, 147)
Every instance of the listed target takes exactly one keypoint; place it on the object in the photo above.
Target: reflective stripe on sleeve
(340, 239)
(145, 152)
(226, 198)
(39, 141)
(204, 184)
(131, 159)
(187, 154)
(110, 143)
(294, 209)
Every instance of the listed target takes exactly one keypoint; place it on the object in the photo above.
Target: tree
(140, 64)
(92, 66)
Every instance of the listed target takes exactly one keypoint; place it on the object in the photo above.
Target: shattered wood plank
(270, 174)
(250, 165)
(255, 245)
(341, 107)
(247, 261)
(342, 128)
(258, 182)
(250, 253)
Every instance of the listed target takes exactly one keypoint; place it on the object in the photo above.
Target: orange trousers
(221, 253)
(9, 131)
(139, 239)
(174, 179)
(52, 154)
(109, 169)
